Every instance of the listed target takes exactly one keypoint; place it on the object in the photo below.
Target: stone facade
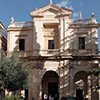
(3, 37)
(61, 49)
(3, 46)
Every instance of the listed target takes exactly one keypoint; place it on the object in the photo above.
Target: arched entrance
(80, 83)
(50, 84)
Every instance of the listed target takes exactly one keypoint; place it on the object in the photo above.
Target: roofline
(3, 27)
(58, 7)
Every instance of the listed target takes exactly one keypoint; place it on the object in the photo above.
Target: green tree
(96, 71)
(13, 73)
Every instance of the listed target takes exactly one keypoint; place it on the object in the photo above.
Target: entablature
(75, 26)
(19, 29)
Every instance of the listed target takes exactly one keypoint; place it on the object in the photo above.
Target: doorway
(79, 94)
(26, 94)
(50, 84)
(53, 88)
(80, 83)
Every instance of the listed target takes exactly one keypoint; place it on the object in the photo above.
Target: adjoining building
(62, 50)
(3, 37)
(3, 46)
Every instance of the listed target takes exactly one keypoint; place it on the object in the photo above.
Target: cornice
(75, 26)
(62, 58)
(19, 28)
(58, 9)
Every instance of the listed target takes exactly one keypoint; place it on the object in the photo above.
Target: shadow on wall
(29, 50)
(26, 43)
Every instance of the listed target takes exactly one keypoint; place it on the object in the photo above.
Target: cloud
(65, 3)
(68, 4)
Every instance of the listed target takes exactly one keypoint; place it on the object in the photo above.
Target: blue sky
(20, 9)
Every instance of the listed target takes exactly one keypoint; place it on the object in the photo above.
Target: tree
(13, 73)
(96, 71)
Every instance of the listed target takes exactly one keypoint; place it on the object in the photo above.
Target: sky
(20, 9)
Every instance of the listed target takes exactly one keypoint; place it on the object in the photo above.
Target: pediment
(50, 10)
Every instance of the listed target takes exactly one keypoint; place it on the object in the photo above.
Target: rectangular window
(22, 44)
(81, 42)
(50, 44)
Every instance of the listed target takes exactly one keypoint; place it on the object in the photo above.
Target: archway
(80, 83)
(50, 84)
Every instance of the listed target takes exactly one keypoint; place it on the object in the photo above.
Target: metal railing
(23, 24)
(81, 21)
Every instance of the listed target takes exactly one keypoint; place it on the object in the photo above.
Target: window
(22, 44)
(81, 42)
(50, 44)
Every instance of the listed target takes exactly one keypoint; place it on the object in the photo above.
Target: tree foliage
(13, 73)
(95, 71)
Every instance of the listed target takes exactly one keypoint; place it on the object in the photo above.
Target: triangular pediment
(52, 10)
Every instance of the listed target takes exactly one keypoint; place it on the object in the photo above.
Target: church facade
(62, 51)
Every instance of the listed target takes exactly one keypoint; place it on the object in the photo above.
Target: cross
(50, 1)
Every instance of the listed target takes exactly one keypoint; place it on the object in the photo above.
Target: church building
(62, 51)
